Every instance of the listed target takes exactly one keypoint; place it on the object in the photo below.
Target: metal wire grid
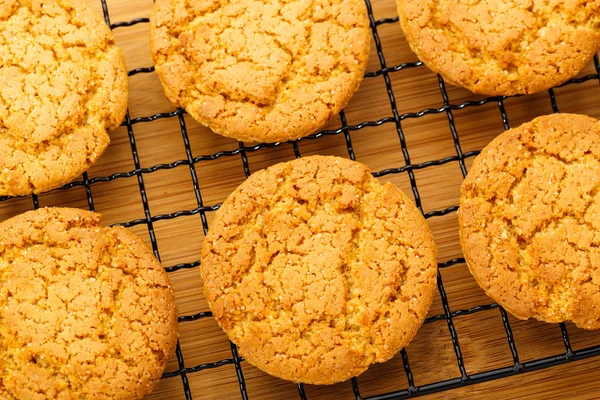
(409, 168)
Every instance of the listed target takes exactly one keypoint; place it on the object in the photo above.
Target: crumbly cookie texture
(63, 83)
(260, 71)
(530, 220)
(86, 312)
(499, 47)
(316, 270)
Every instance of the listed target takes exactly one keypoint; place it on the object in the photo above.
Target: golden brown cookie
(499, 47)
(256, 71)
(63, 83)
(316, 270)
(530, 220)
(86, 311)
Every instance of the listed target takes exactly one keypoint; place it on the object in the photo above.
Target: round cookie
(316, 270)
(498, 47)
(256, 71)
(63, 83)
(85, 311)
(529, 220)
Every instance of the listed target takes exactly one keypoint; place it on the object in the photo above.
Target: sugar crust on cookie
(260, 72)
(316, 270)
(529, 220)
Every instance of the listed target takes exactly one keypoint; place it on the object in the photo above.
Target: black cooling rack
(412, 390)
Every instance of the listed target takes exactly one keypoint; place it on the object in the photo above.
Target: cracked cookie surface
(316, 270)
(260, 70)
(530, 220)
(86, 311)
(499, 47)
(63, 84)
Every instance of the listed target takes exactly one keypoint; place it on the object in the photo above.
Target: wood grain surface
(432, 358)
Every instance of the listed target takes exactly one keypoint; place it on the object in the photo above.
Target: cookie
(497, 47)
(316, 270)
(256, 71)
(86, 311)
(530, 220)
(63, 84)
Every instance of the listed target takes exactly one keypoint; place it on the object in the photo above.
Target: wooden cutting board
(170, 189)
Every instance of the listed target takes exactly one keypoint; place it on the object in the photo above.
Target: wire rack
(183, 370)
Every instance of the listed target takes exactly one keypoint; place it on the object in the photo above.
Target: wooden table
(481, 336)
